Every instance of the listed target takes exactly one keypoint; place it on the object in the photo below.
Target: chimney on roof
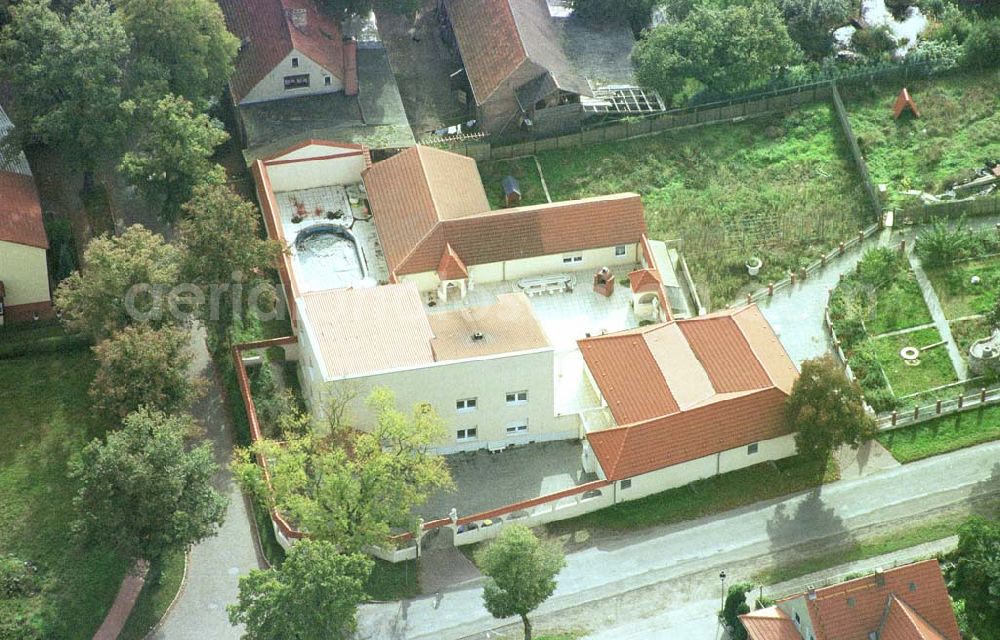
(811, 594)
(350, 67)
(879, 578)
(298, 18)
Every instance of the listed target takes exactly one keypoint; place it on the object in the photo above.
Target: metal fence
(874, 203)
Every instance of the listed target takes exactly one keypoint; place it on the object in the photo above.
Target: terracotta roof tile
(451, 266)
(770, 624)
(644, 280)
(21, 211)
(506, 326)
(903, 623)
(268, 35)
(851, 610)
(725, 353)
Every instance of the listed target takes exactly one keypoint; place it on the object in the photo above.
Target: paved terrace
(485, 481)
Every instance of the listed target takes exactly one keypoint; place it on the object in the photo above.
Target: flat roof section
(506, 326)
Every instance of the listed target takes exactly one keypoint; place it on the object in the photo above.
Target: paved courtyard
(487, 481)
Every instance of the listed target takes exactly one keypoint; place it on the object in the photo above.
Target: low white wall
(310, 174)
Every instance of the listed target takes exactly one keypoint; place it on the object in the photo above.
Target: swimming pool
(328, 257)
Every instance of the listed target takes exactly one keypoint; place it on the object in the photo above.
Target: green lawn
(393, 580)
(934, 370)
(47, 419)
(900, 305)
(162, 584)
(942, 435)
(705, 497)
(780, 187)
(958, 130)
(526, 172)
(959, 297)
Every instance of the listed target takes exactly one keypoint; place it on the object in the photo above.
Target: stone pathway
(869, 458)
(128, 593)
(937, 314)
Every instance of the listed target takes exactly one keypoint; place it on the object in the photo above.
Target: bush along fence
(874, 203)
(986, 396)
(468, 529)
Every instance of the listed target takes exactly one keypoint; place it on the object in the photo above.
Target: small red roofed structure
(904, 101)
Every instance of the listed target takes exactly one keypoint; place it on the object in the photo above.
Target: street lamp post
(722, 579)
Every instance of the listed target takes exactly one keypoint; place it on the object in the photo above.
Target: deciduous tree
(521, 573)
(186, 41)
(826, 410)
(313, 595)
(976, 576)
(144, 367)
(352, 487)
(142, 492)
(810, 22)
(174, 154)
(126, 280)
(69, 76)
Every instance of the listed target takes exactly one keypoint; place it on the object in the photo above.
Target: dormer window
(295, 62)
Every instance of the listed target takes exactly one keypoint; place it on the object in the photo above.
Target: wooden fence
(923, 213)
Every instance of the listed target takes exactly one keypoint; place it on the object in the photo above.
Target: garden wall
(874, 204)
(923, 213)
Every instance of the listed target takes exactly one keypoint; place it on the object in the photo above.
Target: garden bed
(957, 132)
(961, 298)
(935, 368)
(780, 187)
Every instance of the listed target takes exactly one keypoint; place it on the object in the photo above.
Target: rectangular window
(517, 397)
(295, 62)
(515, 429)
(327, 80)
(297, 82)
(466, 434)
(620, 250)
(625, 484)
(572, 259)
(752, 449)
(466, 404)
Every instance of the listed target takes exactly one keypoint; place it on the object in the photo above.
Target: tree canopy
(142, 492)
(352, 487)
(174, 154)
(313, 595)
(976, 576)
(125, 282)
(810, 21)
(728, 49)
(185, 42)
(69, 74)
(520, 573)
(826, 410)
(140, 366)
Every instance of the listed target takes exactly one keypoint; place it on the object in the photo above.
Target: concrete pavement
(686, 557)
(216, 564)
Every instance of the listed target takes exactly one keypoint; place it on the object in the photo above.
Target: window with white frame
(752, 449)
(297, 82)
(517, 397)
(465, 404)
(625, 484)
(517, 428)
(572, 259)
(620, 250)
(466, 434)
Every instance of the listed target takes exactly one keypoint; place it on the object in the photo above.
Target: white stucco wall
(272, 87)
(443, 384)
(24, 273)
(309, 174)
(681, 474)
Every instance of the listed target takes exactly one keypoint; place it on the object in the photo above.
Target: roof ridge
(911, 612)
(750, 344)
(417, 245)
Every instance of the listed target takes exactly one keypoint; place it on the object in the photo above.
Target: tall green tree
(728, 49)
(352, 487)
(69, 77)
(975, 577)
(826, 410)
(223, 247)
(174, 154)
(141, 366)
(810, 22)
(126, 280)
(313, 595)
(185, 41)
(520, 573)
(143, 492)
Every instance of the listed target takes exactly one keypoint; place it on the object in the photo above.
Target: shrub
(876, 42)
(881, 399)
(736, 604)
(982, 47)
(879, 266)
(942, 245)
(17, 578)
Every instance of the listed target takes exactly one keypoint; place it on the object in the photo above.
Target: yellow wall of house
(24, 273)
(272, 87)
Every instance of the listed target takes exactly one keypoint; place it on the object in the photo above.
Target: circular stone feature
(909, 353)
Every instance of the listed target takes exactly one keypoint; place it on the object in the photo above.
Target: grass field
(156, 596)
(46, 419)
(705, 497)
(780, 187)
(898, 306)
(959, 129)
(526, 172)
(934, 370)
(942, 435)
(959, 297)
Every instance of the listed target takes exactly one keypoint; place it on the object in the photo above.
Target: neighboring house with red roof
(288, 49)
(687, 399)
(24, 278)
(905, 603)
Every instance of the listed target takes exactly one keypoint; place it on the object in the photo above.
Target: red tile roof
(424, 199)
(268, 36)
(687, 389)
(644, 280)
(451, 266)
(21, 211)
(495, 37)
(851, 610)
(770, 624)
(903, 623)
